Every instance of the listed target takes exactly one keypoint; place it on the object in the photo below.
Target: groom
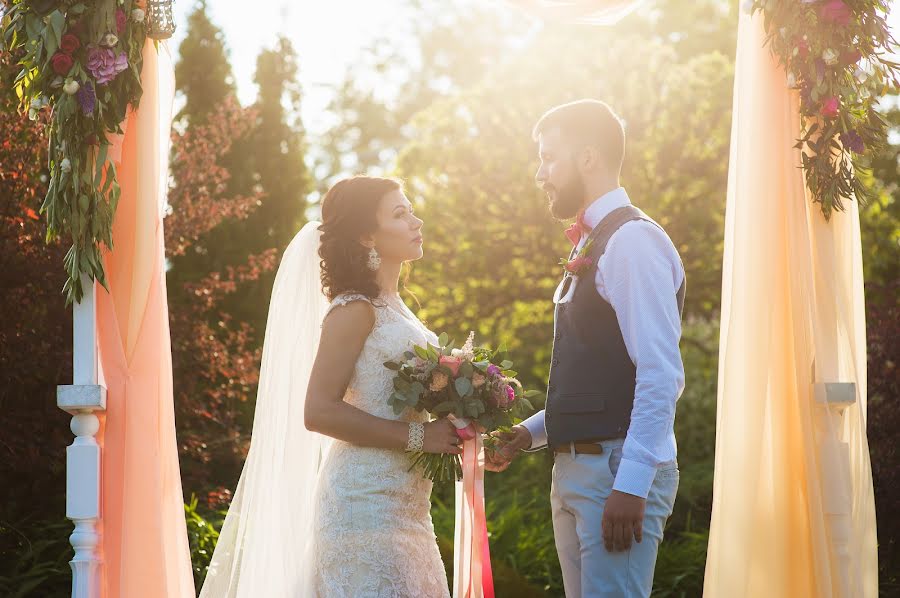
(616, 370)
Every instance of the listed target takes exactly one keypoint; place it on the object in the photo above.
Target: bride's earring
(374, 261)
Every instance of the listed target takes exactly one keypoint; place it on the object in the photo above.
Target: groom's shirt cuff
(634, 478)
(535, 425)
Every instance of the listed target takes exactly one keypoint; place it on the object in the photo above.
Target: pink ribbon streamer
(472, 575)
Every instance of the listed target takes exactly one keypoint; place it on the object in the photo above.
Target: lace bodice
(395, 331)
(373, 535)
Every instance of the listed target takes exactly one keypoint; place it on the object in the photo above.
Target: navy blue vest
(592, 378)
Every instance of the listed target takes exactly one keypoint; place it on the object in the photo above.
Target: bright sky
(327, 34)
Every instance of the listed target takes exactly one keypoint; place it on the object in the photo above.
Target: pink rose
(451, 362)
(62, 63)
(104, 64)
(577, 264)
(121, 20)
(830, 107)
(510, 394)
(835, 11)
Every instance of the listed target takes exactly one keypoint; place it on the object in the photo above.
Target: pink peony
(830, 107)
(104, 64)
(451, 362)
(835, 11)
(510, 393)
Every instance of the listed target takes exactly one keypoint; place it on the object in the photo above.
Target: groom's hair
(588, 122)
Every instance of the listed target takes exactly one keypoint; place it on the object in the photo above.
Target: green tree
(203, 73)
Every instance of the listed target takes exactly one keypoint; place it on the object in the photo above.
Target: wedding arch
(793, 510)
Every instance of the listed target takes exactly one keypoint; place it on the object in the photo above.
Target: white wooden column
(832, 399)
(83, 400)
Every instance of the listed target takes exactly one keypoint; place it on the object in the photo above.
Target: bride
(325, 505)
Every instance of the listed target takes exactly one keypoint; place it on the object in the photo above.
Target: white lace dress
(373, 532)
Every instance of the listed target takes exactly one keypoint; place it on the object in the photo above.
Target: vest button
(558, 336)
(555, 361)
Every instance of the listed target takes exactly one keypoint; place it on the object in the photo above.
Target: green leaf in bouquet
(444, 407)
(466, 369)
(505, 364)
(443, 339)
(463, 386)
(401, 384)
(510, 373)
(392, 365)
(408, 355)
(421, 352)
(530, 394)
(418, 388)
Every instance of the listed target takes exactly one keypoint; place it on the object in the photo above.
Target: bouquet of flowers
(475, 387)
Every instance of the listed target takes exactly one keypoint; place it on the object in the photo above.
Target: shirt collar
(604, 205)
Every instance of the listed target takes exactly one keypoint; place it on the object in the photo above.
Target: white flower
(71, 87)
(65, 165)
(830, 57)
(792, 81)
(110, 40)
(137, 15)
(784, 32)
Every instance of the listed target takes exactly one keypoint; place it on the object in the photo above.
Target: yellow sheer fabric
(793, 507)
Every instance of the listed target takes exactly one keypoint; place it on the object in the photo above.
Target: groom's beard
(567, 200)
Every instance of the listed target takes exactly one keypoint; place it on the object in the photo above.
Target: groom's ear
(589, 159)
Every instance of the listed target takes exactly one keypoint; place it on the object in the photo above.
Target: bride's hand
(441, 437)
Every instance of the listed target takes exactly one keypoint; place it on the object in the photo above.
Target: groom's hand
(623, 518)
(518, 438)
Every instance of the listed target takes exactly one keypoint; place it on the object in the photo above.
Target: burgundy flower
(92, 139)
(853, 142)
(86, 97)
(69, 43)
(104, 64)
(78, 29)
(830, 107)
(802, 48)
(576, 265)
(62, 63)
(835, 11)
(851, 57)
(121, 20)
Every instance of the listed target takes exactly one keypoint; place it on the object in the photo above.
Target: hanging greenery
(835, 52)
(82, 60)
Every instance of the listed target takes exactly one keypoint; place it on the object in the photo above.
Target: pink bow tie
(577, 229)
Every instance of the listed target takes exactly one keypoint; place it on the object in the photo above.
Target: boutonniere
(580, 263)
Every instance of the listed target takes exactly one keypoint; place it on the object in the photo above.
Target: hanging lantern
(160, 20)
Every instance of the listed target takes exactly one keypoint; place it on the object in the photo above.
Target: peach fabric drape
(143, 534)
(793, 508)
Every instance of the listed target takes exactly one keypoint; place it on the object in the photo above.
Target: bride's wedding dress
(314, 517)
(373, 534)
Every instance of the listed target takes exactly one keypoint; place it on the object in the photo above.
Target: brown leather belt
(581, 448)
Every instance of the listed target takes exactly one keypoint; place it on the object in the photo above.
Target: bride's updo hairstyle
(348, 214)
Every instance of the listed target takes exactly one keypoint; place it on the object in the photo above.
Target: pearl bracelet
(416, 437)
